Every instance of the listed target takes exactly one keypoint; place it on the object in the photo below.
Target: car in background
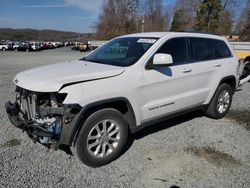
(15, 46)
(82, 47)
(35, 46)
(4, 46)
(24, 46)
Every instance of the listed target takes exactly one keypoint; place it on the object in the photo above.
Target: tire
(15, 49)
(221, 102)
(245, 72)
(4, 49)
(27, 50)
(94, 147)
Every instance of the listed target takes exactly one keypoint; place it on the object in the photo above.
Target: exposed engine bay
(41, 115)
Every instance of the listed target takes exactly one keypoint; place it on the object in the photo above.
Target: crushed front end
(42, 115)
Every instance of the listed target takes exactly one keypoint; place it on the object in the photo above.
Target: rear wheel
(102, 138)
(221, 102)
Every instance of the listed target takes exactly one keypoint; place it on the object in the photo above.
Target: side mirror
(162, 59)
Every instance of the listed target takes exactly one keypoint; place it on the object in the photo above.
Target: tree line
(221, 17)
(43, 35)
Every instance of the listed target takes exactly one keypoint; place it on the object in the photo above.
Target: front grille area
(32, 104)
(28, 103)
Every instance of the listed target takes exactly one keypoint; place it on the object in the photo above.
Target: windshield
(121, 51)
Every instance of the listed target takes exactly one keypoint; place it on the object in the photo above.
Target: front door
(168, 89)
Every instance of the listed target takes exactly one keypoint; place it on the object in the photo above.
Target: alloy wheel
(103, 138)
(223, 101)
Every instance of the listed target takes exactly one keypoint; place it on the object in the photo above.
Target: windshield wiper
(90, 60)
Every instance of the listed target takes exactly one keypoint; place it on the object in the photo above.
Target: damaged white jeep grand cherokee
(130, 82)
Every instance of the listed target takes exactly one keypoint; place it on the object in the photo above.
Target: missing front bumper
(37, 131)
(55, 136)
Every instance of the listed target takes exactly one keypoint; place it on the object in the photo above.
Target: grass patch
(218, 158)
(241, 117)
(12, 142)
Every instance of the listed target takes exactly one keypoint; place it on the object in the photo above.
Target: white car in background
(4, 46)
(16, 46)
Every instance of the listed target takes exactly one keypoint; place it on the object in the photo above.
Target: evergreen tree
(208, 16)
(179, 20)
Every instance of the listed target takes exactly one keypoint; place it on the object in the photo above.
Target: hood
(51, 78)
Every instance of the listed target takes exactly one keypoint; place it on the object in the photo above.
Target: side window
(201, 49)
(221, 50)
(177, 48)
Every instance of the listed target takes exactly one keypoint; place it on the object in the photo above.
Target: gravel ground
(189, 151)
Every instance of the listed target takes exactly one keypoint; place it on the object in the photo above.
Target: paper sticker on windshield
(150, 41)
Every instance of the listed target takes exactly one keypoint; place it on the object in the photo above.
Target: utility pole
(143, 22)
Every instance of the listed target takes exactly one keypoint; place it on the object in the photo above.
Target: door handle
(217, 65)
(186, 70)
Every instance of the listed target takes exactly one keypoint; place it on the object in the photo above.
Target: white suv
(128, 83)
(4, 46)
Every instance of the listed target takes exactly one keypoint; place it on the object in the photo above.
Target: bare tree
(228, 16)
(243, 26)
(118, 17)
(225, 23)
(156, 16)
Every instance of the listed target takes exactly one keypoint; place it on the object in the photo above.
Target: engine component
(55, 129)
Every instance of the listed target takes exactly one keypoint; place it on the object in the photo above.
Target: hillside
(42, 35)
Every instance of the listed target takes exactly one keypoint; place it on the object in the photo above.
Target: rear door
(207, 65)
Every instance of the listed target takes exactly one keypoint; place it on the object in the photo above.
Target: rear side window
(201, 49)
(221, 50)
(177, 48)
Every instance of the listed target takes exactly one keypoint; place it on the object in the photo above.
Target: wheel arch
(230, 80)
(121, 104)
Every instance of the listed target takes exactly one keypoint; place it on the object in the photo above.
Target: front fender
(70, 131)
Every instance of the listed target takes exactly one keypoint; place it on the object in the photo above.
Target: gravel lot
(189, 151)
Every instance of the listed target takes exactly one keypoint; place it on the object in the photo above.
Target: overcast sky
(66, 15)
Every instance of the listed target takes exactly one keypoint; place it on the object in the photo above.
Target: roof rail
(194, 31)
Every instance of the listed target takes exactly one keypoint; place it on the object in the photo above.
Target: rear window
(221, 50)
(201, 49)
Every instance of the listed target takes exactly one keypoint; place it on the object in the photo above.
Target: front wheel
(102, 138)
(221, 102)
